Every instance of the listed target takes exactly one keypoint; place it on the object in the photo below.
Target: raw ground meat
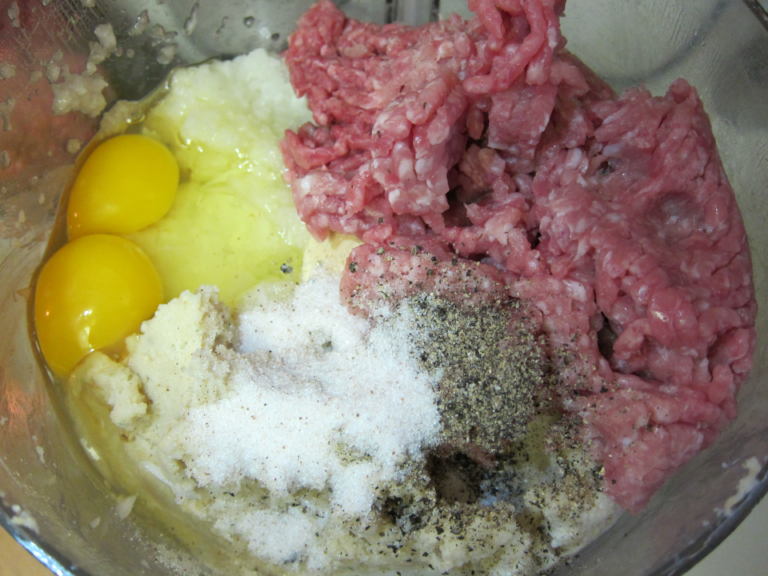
(486, 141)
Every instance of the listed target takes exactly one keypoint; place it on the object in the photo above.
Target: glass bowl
(51, 499)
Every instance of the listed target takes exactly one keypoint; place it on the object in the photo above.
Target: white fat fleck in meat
(575, 159)
(577, 290)
(305, 184)
(405, 169)
(424, 165)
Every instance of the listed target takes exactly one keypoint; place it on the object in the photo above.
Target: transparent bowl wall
(51, 499)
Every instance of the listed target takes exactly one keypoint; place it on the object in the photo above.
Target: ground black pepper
(500, 422)
(493, 368)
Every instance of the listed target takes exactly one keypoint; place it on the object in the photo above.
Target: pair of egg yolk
(98, 288)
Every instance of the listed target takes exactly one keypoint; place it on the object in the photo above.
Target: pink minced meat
(486, 141)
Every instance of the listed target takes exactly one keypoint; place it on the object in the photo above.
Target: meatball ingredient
(91, 294)
(312, 441)
(125, 184)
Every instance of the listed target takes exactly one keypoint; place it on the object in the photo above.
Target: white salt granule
(352, 487)
(322, 401)
(281, 537)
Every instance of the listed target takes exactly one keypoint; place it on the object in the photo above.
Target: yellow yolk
(90, 294)
(127, 183)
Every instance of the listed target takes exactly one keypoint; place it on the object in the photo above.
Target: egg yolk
(126, 183)
(90, 294)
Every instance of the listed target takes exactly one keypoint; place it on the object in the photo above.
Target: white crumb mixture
(292, 426)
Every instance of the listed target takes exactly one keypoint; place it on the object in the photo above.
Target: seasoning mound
(327, 403)
(494, 376)
(325, 442)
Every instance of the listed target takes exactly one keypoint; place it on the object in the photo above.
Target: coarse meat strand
(611, 215)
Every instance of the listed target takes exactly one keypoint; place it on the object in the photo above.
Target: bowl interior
(55, 504)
